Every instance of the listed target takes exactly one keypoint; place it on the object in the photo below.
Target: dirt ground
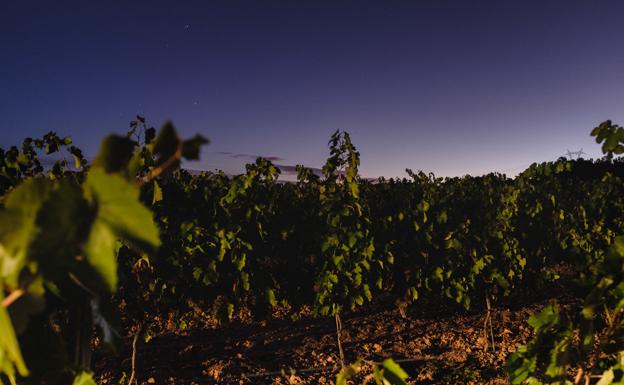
(434, 346)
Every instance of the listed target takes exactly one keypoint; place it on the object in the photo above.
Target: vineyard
(97, 258)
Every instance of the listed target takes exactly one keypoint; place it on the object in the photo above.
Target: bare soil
(434, 344)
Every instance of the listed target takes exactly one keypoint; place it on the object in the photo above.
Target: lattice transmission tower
(574, 155)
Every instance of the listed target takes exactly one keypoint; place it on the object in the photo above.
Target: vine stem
(81, 321)
(14, 296)
(338, 336)
(134, 354)
(485, 323)
(613, 322)
(166, 164)
(579, 376)
(488, 322)
(489, 311)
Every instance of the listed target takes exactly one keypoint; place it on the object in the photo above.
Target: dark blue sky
(452, 87)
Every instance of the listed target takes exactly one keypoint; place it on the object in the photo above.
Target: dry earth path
(435, 347)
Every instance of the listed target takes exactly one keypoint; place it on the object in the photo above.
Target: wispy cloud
(235, 155)
(292, 170)
(289, 170)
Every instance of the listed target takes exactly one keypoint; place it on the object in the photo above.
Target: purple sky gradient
(452, 87)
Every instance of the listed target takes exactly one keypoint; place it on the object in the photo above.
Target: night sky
(452, 87)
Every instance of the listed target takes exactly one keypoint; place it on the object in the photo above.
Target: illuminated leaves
(611, 136)
(386, 373)
(60, 234)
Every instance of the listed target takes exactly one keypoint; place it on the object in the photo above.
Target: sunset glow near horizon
(440, 86)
